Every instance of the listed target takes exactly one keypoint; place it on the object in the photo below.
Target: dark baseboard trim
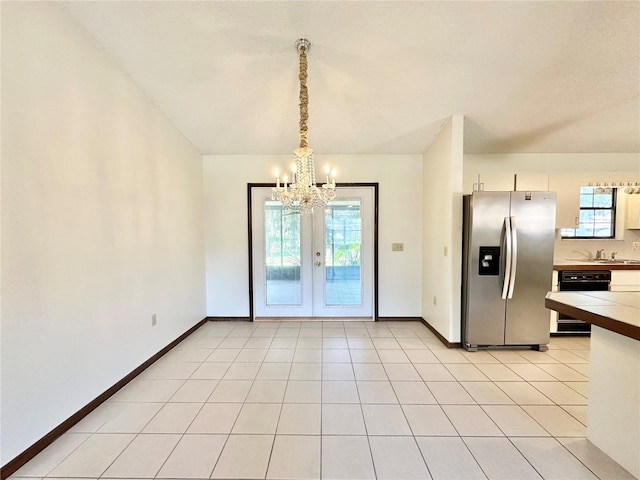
(399, 319)
(228, 319)
(570, 334)
(13, 465)
(444, 341)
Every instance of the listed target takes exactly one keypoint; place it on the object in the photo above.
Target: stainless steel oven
(580, 280)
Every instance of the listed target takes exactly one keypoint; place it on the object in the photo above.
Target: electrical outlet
(154, 320)
(435, 300)
(635, 246)
(446, 251)
(397, 247)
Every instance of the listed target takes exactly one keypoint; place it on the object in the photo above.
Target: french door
(313, 265)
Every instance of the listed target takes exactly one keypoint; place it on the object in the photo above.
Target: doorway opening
(317, 266)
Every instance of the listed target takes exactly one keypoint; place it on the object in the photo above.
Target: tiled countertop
(615, 311)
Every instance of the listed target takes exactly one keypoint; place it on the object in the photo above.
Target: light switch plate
(397, 247)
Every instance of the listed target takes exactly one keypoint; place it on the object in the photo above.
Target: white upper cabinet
(567, 188)
(506, 182)
(633, 211)
(532, 182)
(489, 182)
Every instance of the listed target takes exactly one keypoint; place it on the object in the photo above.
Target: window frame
(614, 201)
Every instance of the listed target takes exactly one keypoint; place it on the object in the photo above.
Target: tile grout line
(415, 440)
(524, 381)
(234, 422)
(137, 434)
(364, 420)
(550, 435)
(198, 413)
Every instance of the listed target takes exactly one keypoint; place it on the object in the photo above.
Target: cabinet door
(633, 211)
(553, 315)
(532, 182)
(489, 182)
(625, 281)
(567, 188)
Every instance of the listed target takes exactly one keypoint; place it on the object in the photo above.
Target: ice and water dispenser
(489, 261)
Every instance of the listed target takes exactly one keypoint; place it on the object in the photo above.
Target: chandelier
(303, 193)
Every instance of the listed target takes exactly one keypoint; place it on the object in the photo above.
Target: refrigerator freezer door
(483, 308)
(527, 319)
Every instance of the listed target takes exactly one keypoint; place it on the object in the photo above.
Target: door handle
(318, 264)
(507, 257)
(514, 255)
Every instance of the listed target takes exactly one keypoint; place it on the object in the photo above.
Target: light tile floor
(339, 400)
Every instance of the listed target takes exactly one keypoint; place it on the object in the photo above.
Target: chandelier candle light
(303, 193)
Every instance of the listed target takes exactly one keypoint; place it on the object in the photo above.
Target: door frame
(375, 186)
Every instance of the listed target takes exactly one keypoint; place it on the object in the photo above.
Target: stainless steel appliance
(580, 280)
(507, 268)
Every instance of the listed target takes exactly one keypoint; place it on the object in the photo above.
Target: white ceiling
(530, 76)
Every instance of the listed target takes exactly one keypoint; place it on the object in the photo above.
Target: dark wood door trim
(376, 197)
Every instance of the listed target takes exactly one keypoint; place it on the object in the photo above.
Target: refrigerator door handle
(507, 257)
(514, 255)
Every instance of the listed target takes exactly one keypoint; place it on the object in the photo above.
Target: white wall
(551, 162)
(442, 229)
(101, 224)
(400, 220)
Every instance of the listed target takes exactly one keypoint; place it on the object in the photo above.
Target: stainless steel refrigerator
(507, 266)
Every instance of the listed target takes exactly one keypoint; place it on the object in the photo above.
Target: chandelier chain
(304, 100)
(303, 193)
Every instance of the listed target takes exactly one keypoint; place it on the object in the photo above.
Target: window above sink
(597, 215)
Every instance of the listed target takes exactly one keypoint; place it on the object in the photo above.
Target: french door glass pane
(343, 242)
(282, 255)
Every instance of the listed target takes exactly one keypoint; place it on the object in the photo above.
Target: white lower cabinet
(553, 315)
(625, 281)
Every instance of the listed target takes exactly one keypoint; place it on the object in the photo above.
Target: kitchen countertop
(613, 416)
(587, 265)
(614, 311)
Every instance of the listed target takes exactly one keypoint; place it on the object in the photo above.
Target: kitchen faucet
(600, 254)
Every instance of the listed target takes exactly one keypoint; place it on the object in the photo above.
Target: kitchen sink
(617, 261)
(606, 261)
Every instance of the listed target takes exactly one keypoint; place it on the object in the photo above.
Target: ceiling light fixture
(303, 193)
